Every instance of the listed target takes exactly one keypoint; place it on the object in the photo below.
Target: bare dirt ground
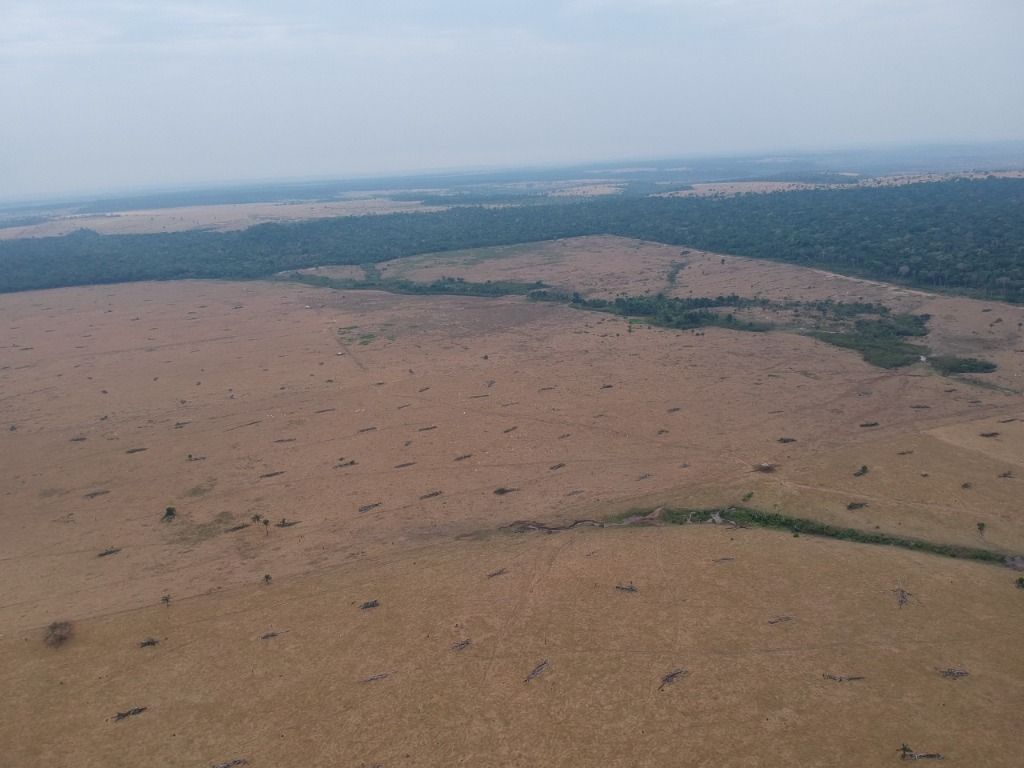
(382, 426)
(221, 218)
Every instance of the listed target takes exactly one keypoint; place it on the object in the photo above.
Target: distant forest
(955, 236)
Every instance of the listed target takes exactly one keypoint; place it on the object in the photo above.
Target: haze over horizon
(107, 94)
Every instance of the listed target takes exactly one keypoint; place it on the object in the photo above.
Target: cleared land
(221, 218)
(400, 434)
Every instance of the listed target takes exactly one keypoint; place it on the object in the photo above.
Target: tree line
(956, 236)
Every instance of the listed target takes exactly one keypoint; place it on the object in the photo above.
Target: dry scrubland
(382, 425)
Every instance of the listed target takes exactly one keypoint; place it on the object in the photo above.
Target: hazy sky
(106, 94)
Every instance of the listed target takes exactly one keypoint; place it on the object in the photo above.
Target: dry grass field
(390, 440)
(221, 218)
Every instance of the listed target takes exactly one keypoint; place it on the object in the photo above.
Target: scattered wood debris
(232, 763)
(499, 572)
(285, 440)
(503, 490)
(136, 450)
(902, 596)
(271, 474)
(271, 635)
(240, 426)
(785, 440)
(149, 642)
(477, 397)
(606, 386)
(374, 678)
(366, 429)
(95, 494)
(325, 410)
(766, 467)
(672, 676)
(368, 507)
(463, 457)
(430, 495)
(405, 464)
(370, 604)
(109, 551)
(563, 436)
(870, 424)
(841, 678)
(537, 671)
(862, 471)
(403, 405)
(130, 713)
(423, 389)
(1008, 474)
(723, 559)
(343, 464)
(988, 434)
(906, 753)
(674, 410)
(524, 526)
(630, 587)
(427, 429)
(509, 430)
(904, 453)
(58, 633)
(856, 505)
(78, 439)
(559, 465)
(461, 645)
(545, 389)
(953, 673)
(781, 619)
(286, 523)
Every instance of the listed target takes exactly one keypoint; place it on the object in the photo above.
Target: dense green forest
(959, 236)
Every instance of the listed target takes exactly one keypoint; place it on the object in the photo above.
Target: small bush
(58, 633)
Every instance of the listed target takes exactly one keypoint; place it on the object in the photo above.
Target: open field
(732, 188)
(753, 621)
(221, 218)
(400, 434)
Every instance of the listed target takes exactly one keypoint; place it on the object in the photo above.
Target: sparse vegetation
(58, 633)
(743, 516)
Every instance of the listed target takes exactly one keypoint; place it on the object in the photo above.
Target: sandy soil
(216, 217)
(382, 426)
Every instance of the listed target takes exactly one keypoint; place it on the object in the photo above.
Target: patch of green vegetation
(798, 525)
(661, 310)
(366, 338)
(447, 286)
(885, 352)
(951, 364)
